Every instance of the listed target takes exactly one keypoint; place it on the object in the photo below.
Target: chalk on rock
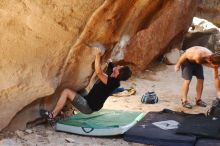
(124, 41)
(98, 45)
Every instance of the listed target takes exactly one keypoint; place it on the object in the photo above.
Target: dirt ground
(161, 78)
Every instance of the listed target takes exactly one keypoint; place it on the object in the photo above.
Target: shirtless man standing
(191, 62)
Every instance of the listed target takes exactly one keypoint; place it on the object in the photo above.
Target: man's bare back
(197, 54)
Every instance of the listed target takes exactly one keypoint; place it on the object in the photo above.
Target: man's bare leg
(66, 94)
(185, 89)
(199, 89)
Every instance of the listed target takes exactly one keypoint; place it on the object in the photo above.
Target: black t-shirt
(100, 92)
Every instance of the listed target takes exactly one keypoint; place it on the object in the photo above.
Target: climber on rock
(100, 91)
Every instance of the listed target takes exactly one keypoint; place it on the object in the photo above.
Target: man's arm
(101, 75)
(180, 61)
(216, 80)
(209, 64)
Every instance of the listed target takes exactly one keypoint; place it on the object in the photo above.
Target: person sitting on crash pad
(97, 96)
(191, 62)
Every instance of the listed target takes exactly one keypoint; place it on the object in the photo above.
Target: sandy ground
(161, 78)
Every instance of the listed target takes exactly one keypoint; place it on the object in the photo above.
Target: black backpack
(149, 98)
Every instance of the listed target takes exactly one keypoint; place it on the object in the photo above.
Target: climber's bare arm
(101, 75)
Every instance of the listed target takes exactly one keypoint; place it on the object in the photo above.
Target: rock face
(171, 58)
(36, 38)
(202, 33)
(45, 45)
(206, 38)
(210, 10)
(162, 31)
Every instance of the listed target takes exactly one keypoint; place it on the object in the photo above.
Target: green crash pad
(103, 119)
(105, 122)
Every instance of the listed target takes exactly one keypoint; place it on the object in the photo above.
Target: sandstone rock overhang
(44, 44)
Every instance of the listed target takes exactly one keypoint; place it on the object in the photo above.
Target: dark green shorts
(190, 69)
